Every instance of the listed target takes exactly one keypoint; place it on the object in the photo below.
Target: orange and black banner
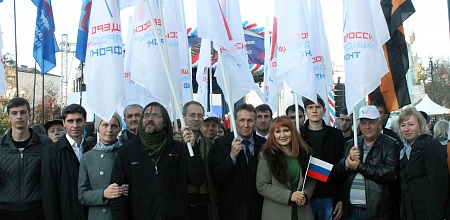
(393, 90)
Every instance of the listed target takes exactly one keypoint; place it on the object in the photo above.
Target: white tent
(431, 108)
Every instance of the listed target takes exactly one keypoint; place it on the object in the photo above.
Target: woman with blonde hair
(440, 131)
(281, 172)
(423, 169)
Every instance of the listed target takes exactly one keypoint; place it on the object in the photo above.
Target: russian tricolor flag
(319, 169)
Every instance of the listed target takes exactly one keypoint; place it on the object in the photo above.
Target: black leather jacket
(20, 173)
(380, 171)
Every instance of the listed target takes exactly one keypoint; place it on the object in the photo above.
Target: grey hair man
(131, 116)
(371, 168)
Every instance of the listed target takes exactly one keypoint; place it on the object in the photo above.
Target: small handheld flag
(319, 169)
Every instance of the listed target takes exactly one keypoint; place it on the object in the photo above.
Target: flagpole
(306, 173)
(81, 83)
(227, 94)
(43, 101)
(210, 86)
(355, 131)
(168, 74)
(34, 92)
(15, 48)
(297, 124)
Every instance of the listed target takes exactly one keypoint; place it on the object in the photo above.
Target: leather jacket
(380, 170)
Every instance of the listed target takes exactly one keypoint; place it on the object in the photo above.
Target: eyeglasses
(152, 116)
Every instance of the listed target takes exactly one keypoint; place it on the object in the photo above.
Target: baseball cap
(369, 112)
(211, 116)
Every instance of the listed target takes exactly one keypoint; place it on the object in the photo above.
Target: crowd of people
(258, 171)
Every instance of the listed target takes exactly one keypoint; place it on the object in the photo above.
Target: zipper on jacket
(21, 174)
(156, 170)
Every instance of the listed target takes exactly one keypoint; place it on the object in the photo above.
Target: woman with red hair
(281, 172)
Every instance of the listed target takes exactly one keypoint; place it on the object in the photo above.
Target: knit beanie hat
(99, 120)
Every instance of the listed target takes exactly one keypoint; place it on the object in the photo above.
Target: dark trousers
(198, 212)
(33, 214)
(356, 213)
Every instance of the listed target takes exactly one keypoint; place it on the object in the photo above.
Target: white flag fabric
(147, 63)
(272, 88)
(127, 3)
(2, 68)
(294, 54)
(204, 63)
(177, 46)
(321, 60)
(104, 59)
(220, 21)
(365, 32)
(134, 93)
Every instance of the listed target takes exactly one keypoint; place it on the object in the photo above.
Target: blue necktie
(248, 153)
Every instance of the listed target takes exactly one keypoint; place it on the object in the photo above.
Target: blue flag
(45, 45)
(83, 30)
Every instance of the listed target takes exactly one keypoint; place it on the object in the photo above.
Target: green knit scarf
(153, 143)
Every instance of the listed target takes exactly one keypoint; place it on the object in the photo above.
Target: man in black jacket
(20, 157)
(157, 169)
(60, 165)
(233, 168)
(369, 170)
(328, 145)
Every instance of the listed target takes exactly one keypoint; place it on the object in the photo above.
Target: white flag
(177, 46)
(134, 93)
(2, 68)
(365, 32)
(204, 63)
(321, 60)
(220, 21)
(272, 88)
(294, 53)
(104, 59)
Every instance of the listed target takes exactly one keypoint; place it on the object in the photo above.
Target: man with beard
(131, 116)
(157, 169)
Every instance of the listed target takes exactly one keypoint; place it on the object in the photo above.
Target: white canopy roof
(431, 108)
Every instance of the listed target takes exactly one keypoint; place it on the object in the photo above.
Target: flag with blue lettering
(365, 32)
(45, 45)
(293, 45)
(220, 21)
(204, 65)
(272, 87)
(83, 30)
(148, 60)
(2, 71)
(104, 71)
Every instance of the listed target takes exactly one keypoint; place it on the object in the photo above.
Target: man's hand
(337, 211)
(354, 153)
(188, 135)
(352, 164)
(236, 147)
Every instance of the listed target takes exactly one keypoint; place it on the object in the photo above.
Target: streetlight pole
(430, 56)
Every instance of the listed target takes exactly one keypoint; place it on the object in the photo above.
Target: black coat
(332, 150)
(424, 180)
(59, 181)
(380, 171)
(237, 196)
(20, 173)
(155, 191)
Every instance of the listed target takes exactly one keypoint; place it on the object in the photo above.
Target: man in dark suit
(233, 168)
(60, 165)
